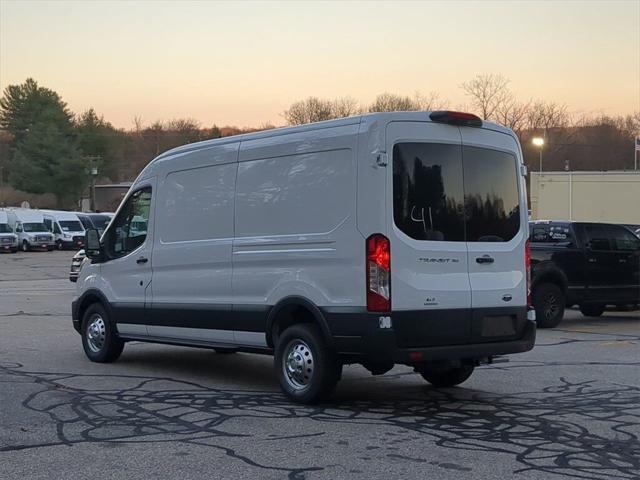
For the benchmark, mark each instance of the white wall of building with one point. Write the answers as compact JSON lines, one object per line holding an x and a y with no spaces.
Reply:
{"x":586,"y":196}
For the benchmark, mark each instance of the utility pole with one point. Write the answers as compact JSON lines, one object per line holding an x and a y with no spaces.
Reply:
{"x":93,"y":172}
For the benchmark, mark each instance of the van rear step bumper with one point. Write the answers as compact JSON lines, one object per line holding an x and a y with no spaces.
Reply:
{"x":419,"y":336}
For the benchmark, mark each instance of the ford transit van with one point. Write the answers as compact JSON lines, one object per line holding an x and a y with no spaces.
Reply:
{"x":382,"y":239}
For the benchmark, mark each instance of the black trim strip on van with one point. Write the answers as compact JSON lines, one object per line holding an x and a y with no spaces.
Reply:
{"x":244,"y":318}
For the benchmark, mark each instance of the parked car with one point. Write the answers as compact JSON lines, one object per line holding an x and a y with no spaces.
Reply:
{"x":29,"y":226}
{"x":339,"y":242}
{"x":67,"y":229}
{"x":8,"y":239}
{"x":591,"y":265}
{"x":76,"y":265}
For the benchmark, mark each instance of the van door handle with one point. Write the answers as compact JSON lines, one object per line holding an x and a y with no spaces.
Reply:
{"x":484,"y":259}
{"x":142,"y":260}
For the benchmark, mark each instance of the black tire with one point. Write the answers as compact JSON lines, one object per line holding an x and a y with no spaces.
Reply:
{"x":59,"y":245}
{"x":305,"y":346}
{"x":447,"y":378}
{"x":592,"y":309}
{"x":549,"y":301}
{"x":105,"y":351}
{"x":25,"y":246}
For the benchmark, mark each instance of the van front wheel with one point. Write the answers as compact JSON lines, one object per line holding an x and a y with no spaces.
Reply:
{"x":306,"y":368}
{"x":449,"y":377}
{"x":100,"y":342}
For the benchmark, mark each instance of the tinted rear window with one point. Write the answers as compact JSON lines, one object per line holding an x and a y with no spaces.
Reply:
{"x":452,"y":193}
{"x":549,"y":233}
{"x":492,"y":205}
{"x":427,"y":191}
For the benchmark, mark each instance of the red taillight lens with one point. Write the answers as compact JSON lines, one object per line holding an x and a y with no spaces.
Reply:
{"x":527,"y":266}
{"x":378,"y":273}
{"x":456,"y":118}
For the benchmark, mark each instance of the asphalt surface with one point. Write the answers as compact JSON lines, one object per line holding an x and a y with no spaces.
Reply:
{"x":568,"y":409}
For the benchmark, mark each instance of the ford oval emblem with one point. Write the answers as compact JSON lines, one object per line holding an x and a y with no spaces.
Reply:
{"x":507,"y":298}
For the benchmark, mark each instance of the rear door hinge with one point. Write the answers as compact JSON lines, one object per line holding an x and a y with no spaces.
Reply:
{"x":381,"y":158}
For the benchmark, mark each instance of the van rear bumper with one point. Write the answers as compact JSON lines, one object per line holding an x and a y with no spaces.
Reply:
{"x":410,"y":339}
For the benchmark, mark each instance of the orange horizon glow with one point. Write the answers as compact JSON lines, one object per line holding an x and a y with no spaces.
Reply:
{"x":244,"y":63}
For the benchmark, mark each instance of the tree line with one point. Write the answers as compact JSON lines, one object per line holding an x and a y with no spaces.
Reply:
{"x":46,"y":148}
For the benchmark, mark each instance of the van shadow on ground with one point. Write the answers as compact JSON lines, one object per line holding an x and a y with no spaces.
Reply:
{"x":583,"y":430}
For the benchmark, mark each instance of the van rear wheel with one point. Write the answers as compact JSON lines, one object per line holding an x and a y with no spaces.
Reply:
{"x":306,"y":368}
{"x":100,"y":342}
{"x":449,"y":377}
{"x":25,"y":246}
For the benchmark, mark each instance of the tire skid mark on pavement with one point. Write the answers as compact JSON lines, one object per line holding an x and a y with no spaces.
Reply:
{"x":584,"y":430}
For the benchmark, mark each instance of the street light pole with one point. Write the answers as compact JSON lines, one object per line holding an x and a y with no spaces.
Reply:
{"x":539,"y":142}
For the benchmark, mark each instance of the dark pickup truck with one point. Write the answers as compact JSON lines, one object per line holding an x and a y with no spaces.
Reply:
{"x":591,"y":265}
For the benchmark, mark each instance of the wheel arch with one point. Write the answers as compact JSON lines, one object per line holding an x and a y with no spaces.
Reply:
{"x":551,"y":275}
{"x":293,"y":310}
{"x":87,"y":299}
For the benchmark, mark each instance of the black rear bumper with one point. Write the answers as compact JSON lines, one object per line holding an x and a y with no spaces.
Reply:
{"x":431,"y":335}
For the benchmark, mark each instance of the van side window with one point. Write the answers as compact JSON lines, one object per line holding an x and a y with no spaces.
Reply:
{"x":129,"y":229}
{"x":427,"y":191}
{"x":492,"y":205}
{"x":56,"y":229}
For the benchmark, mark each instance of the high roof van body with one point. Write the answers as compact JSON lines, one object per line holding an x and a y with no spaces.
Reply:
{"x":382,"y":239}
{"x":66,"y":227}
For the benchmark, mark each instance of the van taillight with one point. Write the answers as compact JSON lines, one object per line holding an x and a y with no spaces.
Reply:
{"x":378,"y":273}
{"x":527,"y":266}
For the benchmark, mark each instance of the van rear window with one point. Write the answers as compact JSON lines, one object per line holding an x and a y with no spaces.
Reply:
{"x":451,"y":193}
{"x":427,"y":191}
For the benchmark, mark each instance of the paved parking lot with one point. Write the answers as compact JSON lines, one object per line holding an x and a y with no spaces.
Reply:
{"x":568,"y":409}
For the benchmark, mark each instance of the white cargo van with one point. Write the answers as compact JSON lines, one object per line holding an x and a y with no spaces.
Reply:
{"x":8,"y":239}
{"x":66,"y":227}
{"x":389,"y":238}
{"x":29,"y":226}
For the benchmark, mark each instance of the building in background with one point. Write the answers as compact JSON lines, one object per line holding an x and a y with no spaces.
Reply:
{"x":107,"y":197}
{"x":612,"y":196}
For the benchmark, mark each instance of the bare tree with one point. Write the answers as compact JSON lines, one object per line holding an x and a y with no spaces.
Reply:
{"x":389,"y":102}
{"x":345,"y":107}
{"x":430,"y":102}
{"x":313,"y":109}
{"x":488,"y":93}
{"x":513,"y":114}
{"x":545,"y":115}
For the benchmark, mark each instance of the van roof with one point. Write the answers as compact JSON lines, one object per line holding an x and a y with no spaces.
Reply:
{"x":60,"y":214}
{"x":388,"y":116}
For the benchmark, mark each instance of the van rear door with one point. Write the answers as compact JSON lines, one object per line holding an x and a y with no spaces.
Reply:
{"x":430,"y":289}
{"x":496,"y":226}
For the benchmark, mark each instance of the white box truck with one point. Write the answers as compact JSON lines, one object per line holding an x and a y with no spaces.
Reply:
{"x":382,"y":239}
{"x":29,"y":226}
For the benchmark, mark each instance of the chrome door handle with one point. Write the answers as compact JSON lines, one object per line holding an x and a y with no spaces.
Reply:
{"x":484,"y":259}
{"x":142,"y":260}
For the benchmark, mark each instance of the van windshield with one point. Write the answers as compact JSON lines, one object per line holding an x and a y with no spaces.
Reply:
{"x":4,"y":228}
{"x":34,"y":227}
{"x":100,"y":222}
{"x":71,"y":226}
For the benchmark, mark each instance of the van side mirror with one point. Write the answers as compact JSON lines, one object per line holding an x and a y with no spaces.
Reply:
{"x":92,"y":243}
{"x":19,"y":228}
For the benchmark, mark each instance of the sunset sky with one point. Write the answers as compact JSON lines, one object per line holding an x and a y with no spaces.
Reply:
{"x":243,"y":63}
